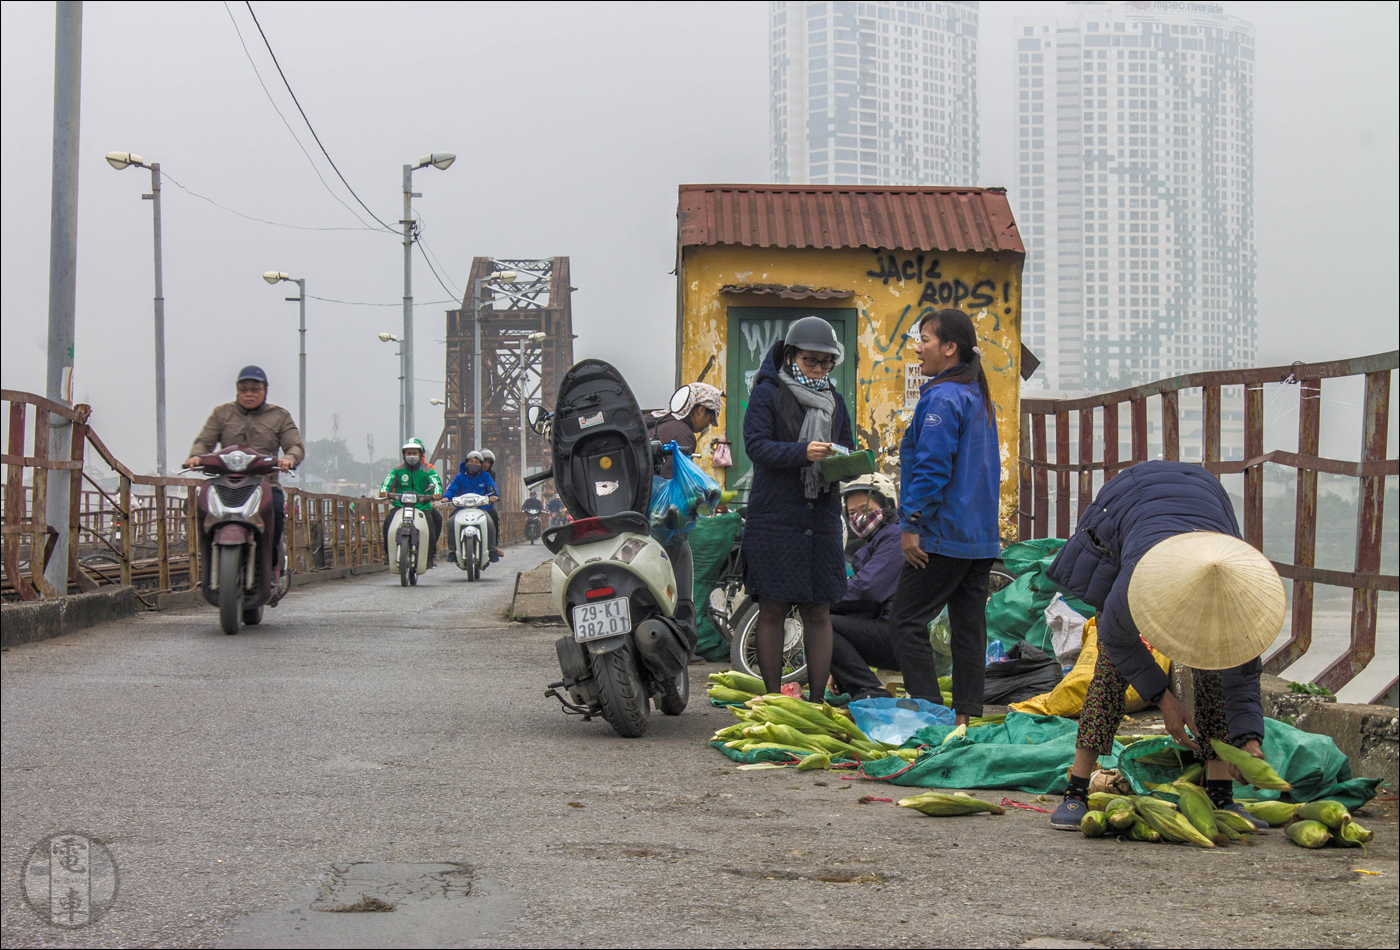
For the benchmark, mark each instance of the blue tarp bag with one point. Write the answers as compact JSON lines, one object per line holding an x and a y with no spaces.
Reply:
{"x":675,"y":501}
{"x":895,"y":720}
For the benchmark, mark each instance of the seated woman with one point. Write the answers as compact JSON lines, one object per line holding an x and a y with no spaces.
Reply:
{"x":860,"y":621}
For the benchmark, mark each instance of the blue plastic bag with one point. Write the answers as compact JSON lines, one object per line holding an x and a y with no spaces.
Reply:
{"x":996,"y":652}
{"x":895,"y":720}
{"x":675,"y":501}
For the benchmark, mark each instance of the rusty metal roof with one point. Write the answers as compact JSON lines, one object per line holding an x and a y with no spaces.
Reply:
{"x":832,"y":216}
{"x":793,"y":292}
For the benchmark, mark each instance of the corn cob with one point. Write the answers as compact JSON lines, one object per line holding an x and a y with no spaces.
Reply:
{"x":1255,"y":772}
{"x":846,"y":723}
{"x":1140,"y":831}
{"x":1163,"y":818}
{"x":1332,"y":814}
{"x":1229,"y":821}
{"x":959,"y":733}
{"x":1120,"y":814}
{"x":733,"y":679}
{"x":817,"y":760}
{"x":940,"y":805}
{"x":1275,"y":813}
{"x":1192,"y":775}
{"x":1309,"y":834}
{"x":729,"y":732}
{"x":1353,"y":835}
{"x":1094,"y":824}
{"x":1098,"y":801}
{"x":723,"y":694}
{"x":1196,"y":805}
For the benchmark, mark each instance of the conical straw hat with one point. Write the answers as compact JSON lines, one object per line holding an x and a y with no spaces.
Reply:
{"x":1208,"y":600}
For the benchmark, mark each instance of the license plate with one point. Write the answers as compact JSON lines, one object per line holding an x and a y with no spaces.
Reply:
{"x":605,"y":618}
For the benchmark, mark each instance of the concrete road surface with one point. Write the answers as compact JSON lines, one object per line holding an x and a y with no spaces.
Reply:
{"x":370,"y":746}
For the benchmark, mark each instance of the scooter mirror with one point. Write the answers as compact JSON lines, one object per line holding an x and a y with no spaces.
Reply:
{"x":536,"y":415}
{"x":679,"y":399}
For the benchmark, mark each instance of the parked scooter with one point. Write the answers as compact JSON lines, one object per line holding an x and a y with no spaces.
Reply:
{"x":469,"y":526}
{"x":408,"y":539}
{"x":239,"y":571}
{"x":612,"y":582}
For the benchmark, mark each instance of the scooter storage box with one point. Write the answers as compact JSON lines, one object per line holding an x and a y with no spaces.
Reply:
{"x":601,"y":449}
{"x":661,"y":648}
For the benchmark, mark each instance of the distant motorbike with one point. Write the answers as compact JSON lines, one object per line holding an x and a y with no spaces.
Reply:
{"x":532,"y":525}
{"x":612,"y":582}
{"x":469,"y":524}
{"x":239,"y":570}
{"x":408,"y":539}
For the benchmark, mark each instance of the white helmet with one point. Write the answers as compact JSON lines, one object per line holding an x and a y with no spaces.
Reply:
{"x":876,"y":483}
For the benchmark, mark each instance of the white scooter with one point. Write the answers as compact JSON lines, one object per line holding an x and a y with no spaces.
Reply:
{"x":470,"y":531}
{"x":409,"y":538}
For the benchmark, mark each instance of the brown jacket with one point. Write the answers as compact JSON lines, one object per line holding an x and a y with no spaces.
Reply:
{"x":266,"y":429}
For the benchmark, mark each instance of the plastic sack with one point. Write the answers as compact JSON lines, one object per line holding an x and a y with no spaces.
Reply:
{"x":1017,"y":611}
{"x":1067,"y":699}
{"x":895,"y":720}
{"x":723,"y":457}
{"x":710,"y":543}
{"x":1066,"y":629}
{"x":996,"y":653}
{"x":674,"y":501}
{"x":1025,"y":672}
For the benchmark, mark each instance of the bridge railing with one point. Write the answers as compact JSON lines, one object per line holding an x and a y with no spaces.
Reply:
{"x":1098,"y":453}
{"x":139,"y":531}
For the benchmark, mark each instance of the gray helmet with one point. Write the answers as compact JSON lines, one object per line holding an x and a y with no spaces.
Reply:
{"x":815,"y":334}
{"x":488,"y":456}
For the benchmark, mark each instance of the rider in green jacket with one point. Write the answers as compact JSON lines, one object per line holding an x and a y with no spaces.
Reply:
{"x":423,"y":480}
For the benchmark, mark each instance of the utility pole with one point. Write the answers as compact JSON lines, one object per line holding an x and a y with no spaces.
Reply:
{"x":407,"y":344}
{"x":154,"y":198}
{"x":63,"y":272}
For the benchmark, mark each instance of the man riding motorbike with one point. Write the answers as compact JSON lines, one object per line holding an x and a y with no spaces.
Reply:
{"x":488,"y":462}
{"x":422,"y":480}
{"x":860,"y":621}
{"x":267,"y":429}
{"x":473,"y":478}
{"x":701,"y":410}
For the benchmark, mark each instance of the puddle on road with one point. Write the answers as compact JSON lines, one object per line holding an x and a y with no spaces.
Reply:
{"x":385,"y":904}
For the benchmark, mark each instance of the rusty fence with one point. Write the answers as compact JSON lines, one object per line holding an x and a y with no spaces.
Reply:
{"x":1083,"y":459}
{"x":138,"y":532}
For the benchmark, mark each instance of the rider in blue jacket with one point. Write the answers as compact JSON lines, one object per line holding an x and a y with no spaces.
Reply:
{"x":473,"y":479}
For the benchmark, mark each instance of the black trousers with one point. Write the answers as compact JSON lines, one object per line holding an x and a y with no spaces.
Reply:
{"x":496,"y":525}
{"x":961,"y":586}
{"x":857,"y":644}
{"x":684,"y":567}
{"x":434,"y":529}
{"x":279,"y":522}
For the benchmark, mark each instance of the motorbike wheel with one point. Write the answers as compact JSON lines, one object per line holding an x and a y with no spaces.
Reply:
{"x":474,"y":566}
{"x":621,"y":693}
{"x":230,"y":590}
{"x":743,"y":649}
{"x":674,"y":698}
{"x":405,"y":561}
{"x":252,"y":616}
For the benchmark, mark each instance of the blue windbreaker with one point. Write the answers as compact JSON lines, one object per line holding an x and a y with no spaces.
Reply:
{"x":950,"y":473}
{"x":479,"y":484}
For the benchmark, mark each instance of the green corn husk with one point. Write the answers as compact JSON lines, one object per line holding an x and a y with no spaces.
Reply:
{"x":1165,"y":758}
{"x":1332,"y":814}
{"x":733,"y":679}
{"x":1196,"y":805}
{"x":817,"y":760}
{"x":1256,"y":772}
{"x":1140,"y":831}
{"x":1192,"y":775}
{"x":1309,"y":834}
{"x":1167,"y":821}
{"x":1094,"y":824}
{"x":940,"y":805}
{"x":1353,"y":835}
{"x":723,"y":694}
{"x":1098,"y":801}
{"x":1275,"y":813}
{"x":1229,"y":821}
{"x":1120,"y":814}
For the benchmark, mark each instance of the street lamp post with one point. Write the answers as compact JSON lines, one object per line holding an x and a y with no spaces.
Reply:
{"x":390,"y":338}
{"x":536,"y":337}
{"x":506,"y":276}
{"x":439,"y":160}
{"x":272,"y":277}
{"x":120,"y":160}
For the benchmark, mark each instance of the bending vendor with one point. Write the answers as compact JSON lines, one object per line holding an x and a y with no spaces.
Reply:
{"x":1159,"y":553}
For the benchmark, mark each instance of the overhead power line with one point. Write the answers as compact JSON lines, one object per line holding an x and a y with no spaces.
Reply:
{"x":297,"y":227}
{"x":361,"y":303}
{"x":304,"y":117}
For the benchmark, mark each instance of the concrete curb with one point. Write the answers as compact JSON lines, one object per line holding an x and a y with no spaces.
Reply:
{"x":533,"y":599}
{"x":31,"y":621}
{"x":1369,"y":735}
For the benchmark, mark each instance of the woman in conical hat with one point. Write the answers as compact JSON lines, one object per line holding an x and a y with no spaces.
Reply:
{"x":1159,"y":553}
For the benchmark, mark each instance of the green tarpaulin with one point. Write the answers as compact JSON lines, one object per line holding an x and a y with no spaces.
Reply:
{"x":711,"y":540}
{"x":1016,"y":613}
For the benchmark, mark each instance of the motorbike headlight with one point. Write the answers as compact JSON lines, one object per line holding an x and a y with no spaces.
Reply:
{"x":236,"y":461}
{"x":408,"y":498}
{"x":629,"y":551}
{"x":565,"y":563}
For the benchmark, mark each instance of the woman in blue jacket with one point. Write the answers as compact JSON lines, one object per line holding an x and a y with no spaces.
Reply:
{"x":949,"y":501}
{"x":792,"y":531}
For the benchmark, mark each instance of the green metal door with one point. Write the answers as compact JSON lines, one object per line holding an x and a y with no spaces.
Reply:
{"x":752,"y":333}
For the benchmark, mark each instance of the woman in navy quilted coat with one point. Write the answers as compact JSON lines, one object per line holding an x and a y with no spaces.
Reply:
{"x":792,"y":532}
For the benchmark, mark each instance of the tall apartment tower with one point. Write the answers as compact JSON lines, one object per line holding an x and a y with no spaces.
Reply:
{"x":873,"y":93}
{"x":1135,"y":192}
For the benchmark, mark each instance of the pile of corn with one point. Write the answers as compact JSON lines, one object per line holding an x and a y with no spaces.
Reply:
{"x":1315,"y":824}
{"x":1193,"y":819}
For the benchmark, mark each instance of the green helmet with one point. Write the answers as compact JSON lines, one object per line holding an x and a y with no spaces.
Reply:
{"x":413,"y":444}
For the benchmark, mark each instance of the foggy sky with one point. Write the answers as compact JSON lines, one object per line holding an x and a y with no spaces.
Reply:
{"x":573,"y":125}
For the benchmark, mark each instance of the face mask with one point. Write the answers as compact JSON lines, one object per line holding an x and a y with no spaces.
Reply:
{"x":411,"y":461}
{"x":864,"y":522}
{"x":473,"y":469}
